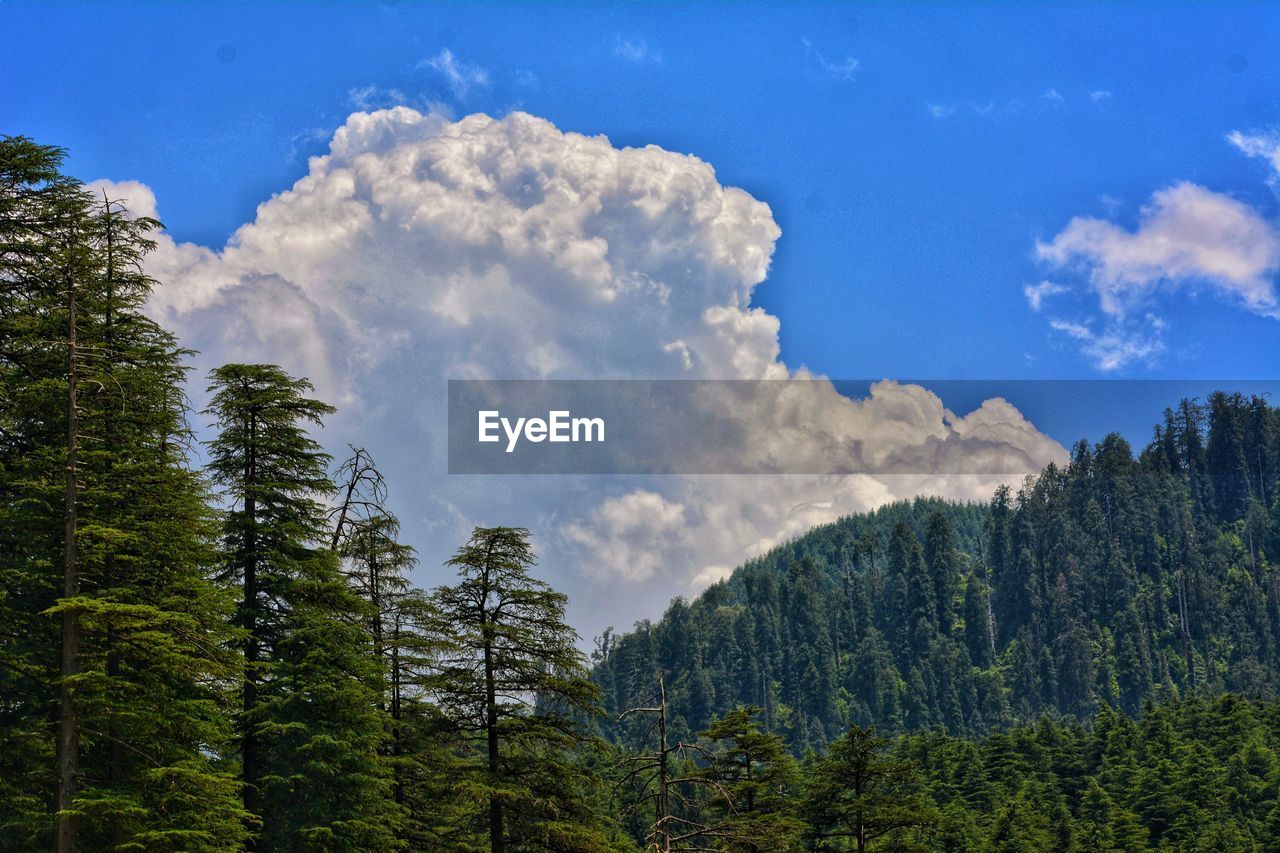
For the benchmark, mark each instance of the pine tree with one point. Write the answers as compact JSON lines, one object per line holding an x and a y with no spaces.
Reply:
{"x":420,"y":748}
{"x":513,"y":683}
{"x":942,"y":559}
{"x":759,"y":779}
{"x":377,"y":564}
{"x":859,"y":793}
{"x":1021,"y":825}
{"x":310,"y":730}
{"x":977,"y":625}
{"x":98,"y":501}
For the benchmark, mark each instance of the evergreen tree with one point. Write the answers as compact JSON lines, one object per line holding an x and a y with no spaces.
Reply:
{"x":759,"y":779}
{"x":512,"y":680}
{"x":1021,"y":825}
{"x":1112,"y":580}
{"x":310,"y":729}
{"x":977,"y":624}
{"x":98,"y":504}
{"x":942,"y":559}
{"x":860,"y":794}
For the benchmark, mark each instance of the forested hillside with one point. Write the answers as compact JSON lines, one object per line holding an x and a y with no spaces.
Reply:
{"x":1107,"y":583}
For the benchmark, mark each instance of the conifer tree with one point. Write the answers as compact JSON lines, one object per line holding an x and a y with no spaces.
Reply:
{"x":977,"y":625}
{"x":760,"y":780}
{"x":310,"y":730}
{"x":92,"y":411}
{"x":420,"y":748}
{"x":859,"y":794}
{"x":942,"y":560}
{"x":513,"y":684}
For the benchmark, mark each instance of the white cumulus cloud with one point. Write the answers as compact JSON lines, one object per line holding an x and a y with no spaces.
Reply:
{"x":1187,"y":235}
{"x":1187,"y":238}
{"x":420,"y":249}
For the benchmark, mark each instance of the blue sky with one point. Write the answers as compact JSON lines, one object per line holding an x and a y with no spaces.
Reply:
{"x":981,"y":192}
{"x":912,"y":155}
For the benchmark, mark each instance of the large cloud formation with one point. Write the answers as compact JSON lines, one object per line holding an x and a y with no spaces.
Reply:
{"x":506,"y":247}
{"x":420,"y":249}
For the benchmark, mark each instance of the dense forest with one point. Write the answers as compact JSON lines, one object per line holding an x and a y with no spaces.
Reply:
{"x":230,"y":655}
{"x":1109,"y":582}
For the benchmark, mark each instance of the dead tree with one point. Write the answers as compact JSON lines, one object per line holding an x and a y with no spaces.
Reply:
{"x":657,"y":782}
{"x":362,"y":489}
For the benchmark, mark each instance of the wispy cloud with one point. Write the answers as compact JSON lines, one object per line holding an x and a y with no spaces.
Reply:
{"x":1263,"y":144}
{"x":636,"y":50}
{"x":1099,"y":95}
{"x":304,"y":140}
{"x":843,"y":70}
{"x":372,"y":97}
{"x":1119,"y":344}
{"x":1037,"y":293}
{"x":461,"y":77}
{"x":1049,"y":101}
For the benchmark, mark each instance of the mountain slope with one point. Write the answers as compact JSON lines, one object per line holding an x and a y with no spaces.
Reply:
{"x":1110,"y":581}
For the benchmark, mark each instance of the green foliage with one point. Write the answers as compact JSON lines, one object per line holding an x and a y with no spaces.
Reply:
{"x":512,"y":683}
{"x":149,"y":696}
{"x":1077,"y":665}
{"x":1110,"y":581}
{"x":1174,"y":781}
{"x":311,"y":726}
{"x":859,"y":795}
{"x":1190,"y":775}
{"x":759,"y":780}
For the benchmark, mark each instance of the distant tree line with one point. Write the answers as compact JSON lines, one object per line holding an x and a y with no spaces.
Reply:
{"x":1192,"y":775}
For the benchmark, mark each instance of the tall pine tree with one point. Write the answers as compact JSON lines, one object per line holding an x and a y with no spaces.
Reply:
{"x":100,"y":506}
{"x":311,"y":733}
{"x":513,"y":683}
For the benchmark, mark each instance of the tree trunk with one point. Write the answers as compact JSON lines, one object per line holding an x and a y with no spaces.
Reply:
{"x":664,"y":801}
{"x":496,"y":842}
{"x":68,"y":720}
{"x":397,"y":731}
{"x":115,"y":757}
{"x":251,"y":766}
{"x":342,"y":516}
{"x":375,"y":598}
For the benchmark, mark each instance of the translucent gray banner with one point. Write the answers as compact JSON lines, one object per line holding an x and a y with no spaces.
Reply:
{"x":803,"y":426}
